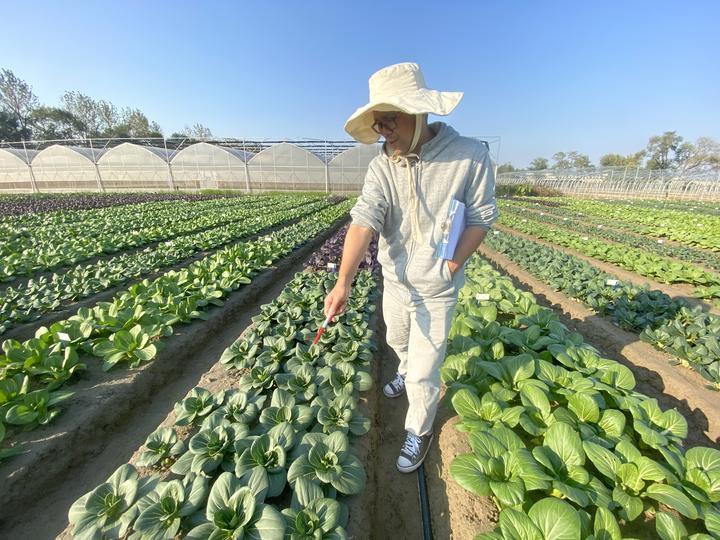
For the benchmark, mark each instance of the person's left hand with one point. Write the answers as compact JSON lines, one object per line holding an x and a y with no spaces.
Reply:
{"x":453,"y":266}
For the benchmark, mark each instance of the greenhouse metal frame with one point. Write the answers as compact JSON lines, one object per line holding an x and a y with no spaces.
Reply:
{"x":622,"y":182}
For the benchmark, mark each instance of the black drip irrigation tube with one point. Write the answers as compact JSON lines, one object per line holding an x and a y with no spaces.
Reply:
{"x":424,"y":503}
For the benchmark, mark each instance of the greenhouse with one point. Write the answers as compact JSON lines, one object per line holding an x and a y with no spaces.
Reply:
{"x":132,"y":167}
{"x":66,"y":168}
{"x":302,"y":165}
{"x":346,"y":171}
{"x":625,"y":182}
{"x":204,"y":166}
{"x":15,"y":172}
{"x":286,"y":166}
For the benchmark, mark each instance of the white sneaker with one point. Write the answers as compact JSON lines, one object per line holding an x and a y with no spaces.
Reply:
{"x":396,"y":387}
{"x":413,"y":452}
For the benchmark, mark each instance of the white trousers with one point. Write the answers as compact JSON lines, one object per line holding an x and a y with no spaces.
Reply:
{"x":417,"y":330}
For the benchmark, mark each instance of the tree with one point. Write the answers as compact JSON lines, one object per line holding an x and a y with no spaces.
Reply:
{"x":703,"y":155}
{"x":54,"y":123}
{"x":108,"y":116}
{"x":506,"y":167}
{"x":539,"y":164}
{"x":570,"y":160}
{"x":135,"y":124}
{"x":612,"y":160}
{"x":667,"y":151}
{"x":100,"y":116}
{"x":197,"y":131}
{"x":10,"y":128}
{"x":618,"y":160}
{"x":561,"y":161}
{"x":635,"y":160}
{"x":17,"y":97}
{"x":578,"y":160}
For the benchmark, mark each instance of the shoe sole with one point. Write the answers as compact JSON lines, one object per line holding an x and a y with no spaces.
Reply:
{"x":417,"y":465}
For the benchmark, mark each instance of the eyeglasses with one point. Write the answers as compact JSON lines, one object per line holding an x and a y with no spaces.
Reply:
{"x":387,"y":123}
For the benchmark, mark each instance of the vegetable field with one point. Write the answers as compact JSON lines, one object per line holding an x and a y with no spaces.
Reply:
{"x":157,"y":378}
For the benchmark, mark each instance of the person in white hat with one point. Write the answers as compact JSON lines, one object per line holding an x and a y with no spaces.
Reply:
{"x":406,"y":197}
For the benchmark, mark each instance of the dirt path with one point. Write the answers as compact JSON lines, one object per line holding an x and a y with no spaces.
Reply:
{"x":112,"y":413}
{"x":673,"y":386}
{"x":397,"y":507}
{"x":678,"y":291}
{"x":454,"y":512}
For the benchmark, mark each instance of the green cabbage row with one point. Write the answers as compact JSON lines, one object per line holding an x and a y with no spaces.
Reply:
{"x":130,"y":327}
{"x":560,"y":438}
{"x":683,"y":226}
{"x":40,"y":248}
{"x":671,"y":325}
{"x":269,"y":458}
{"x":30,"y":301}
{"x":598,"y":227}
{"x":640,"y":261}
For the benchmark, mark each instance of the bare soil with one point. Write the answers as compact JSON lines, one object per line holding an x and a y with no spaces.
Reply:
{"x":396,"y":501}
{"x":673,"y":386}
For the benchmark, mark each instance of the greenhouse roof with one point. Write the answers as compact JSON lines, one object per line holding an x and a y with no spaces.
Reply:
{"x":24,"y":155}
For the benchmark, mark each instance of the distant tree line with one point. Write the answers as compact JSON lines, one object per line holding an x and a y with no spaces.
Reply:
{"x":79,"y":116}
{"x":666,"y":151}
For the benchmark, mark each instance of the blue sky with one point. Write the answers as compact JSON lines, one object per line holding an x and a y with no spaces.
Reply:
{"x":595,"y":77}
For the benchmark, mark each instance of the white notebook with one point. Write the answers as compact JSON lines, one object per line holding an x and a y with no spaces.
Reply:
{"x":453,"y":226}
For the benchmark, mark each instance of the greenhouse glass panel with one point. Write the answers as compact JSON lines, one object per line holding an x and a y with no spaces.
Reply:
{"x":66,"y":168}
{"x":131,"y":166}
{"x":347,"y":170}
{"x":286,"y":167}
{"x":208,"y":166}
{"x":15,"y":173}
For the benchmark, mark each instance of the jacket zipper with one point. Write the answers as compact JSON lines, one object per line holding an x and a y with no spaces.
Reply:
{"x":412,"y":240}
{"x":407,"y":263}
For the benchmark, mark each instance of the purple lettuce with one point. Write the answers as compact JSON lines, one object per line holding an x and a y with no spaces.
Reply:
{"x":15,"y":205}
{"x":331,"y":252}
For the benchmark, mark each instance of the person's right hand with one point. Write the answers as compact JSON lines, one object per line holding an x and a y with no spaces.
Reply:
{"x":336,"y":301}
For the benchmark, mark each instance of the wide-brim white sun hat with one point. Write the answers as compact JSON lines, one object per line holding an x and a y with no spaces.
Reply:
{"x":400,"y":87}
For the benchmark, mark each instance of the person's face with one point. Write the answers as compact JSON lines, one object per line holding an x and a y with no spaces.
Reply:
{"x":396,"y":127}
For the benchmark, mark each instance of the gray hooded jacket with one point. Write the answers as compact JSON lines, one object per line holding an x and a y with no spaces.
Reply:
{"x":407,"y":202}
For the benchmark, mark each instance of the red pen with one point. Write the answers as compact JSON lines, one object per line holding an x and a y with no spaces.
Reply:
{"x":322,"y":328}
